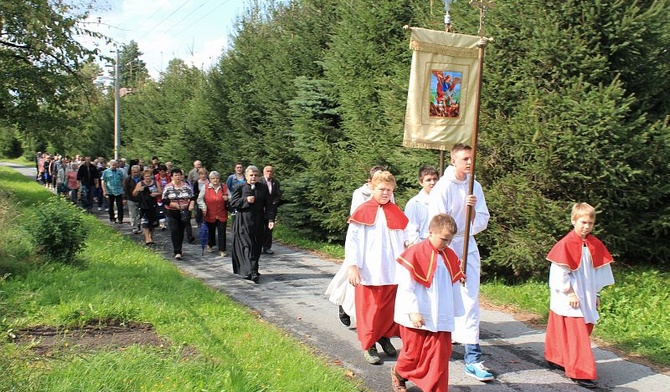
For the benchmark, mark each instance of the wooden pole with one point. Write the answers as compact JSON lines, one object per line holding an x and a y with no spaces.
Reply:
{"x":469,"y":212}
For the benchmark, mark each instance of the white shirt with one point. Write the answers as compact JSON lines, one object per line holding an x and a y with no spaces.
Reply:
{"x":417,"y":212}
{"x":374,"y":250}
{"x":586,"y":282}
{"x":438,"y":304}
{"x":448,"y":196}
{"x":360,"y":196}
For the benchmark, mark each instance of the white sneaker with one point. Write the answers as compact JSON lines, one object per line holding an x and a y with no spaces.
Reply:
{"x":209,"y":249}
{"x":99,"y":208}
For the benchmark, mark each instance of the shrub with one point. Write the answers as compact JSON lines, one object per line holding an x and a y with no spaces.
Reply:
{"x":57,"y":230}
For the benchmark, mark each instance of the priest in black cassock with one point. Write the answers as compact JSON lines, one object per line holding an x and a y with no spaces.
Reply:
{"x":254,"y":207}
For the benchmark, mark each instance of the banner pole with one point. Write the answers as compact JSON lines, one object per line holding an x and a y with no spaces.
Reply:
{"x":469,"y":212}
{"x":447,"y":28}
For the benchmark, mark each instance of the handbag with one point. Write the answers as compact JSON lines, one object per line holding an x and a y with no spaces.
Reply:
{"x":185,"y":215}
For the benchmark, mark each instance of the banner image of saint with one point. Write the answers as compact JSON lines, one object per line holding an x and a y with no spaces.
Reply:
{"x":441,"y":96}
{"x":445,"y":93}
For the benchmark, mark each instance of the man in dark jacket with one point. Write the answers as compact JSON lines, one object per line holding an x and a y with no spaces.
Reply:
{"x":88,"y":179}
{"x":274,"y":191}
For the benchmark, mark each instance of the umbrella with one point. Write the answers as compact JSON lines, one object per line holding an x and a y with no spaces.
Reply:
{"x":204,"y":233}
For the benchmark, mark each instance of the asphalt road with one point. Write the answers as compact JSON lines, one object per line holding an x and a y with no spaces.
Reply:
{"x":291,"y":296}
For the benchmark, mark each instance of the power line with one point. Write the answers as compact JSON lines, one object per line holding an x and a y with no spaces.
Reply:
{"x":182,"y":19}
{"x":172,"y":13}
{"x":204,"y":16}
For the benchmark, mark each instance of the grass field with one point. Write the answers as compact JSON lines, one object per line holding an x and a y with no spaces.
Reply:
{"x":172,"y":333}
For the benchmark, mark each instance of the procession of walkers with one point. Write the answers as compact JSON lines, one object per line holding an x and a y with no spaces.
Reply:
{"x":402,"y":275}
{"x":160,"y":196}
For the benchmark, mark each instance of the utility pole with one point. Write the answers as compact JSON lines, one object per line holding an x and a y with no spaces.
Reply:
{"x":117,"y":106}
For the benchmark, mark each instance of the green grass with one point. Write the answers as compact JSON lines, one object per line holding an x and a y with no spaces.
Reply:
{"x":211,"y":342}
{"x":19,"y":161}
{"x":634,"y":312}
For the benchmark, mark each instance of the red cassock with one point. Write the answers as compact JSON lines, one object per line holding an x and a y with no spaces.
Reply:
{"x":375,"y":304}
{"x":568,"y":344}
{"x":424,"y":358}
{"x":567,"y":341}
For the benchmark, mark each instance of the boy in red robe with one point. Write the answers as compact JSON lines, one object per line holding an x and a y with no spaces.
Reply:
{"x":580,"y":268}
{"x":427,"y":301}
{"x":374,"y":240}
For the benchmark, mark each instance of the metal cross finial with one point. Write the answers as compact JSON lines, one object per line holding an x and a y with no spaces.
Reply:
{"x":447,"y":16}
{"x":482,"y":5}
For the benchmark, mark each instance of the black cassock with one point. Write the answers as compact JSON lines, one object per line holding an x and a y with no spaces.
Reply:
{"x":248,"y":226}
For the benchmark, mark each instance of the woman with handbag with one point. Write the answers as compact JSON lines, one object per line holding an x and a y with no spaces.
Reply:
{"x":147,"y":192}
{"x":179,"y":202}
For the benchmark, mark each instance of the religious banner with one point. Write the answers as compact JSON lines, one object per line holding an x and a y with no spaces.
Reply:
{"x":441,"y":101}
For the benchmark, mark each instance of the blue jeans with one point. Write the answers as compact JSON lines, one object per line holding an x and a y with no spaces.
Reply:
{"x":473,"y":354}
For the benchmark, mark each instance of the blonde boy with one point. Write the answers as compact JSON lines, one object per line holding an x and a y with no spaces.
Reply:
{"x":374,"y":240}
{"x":580,"y":268}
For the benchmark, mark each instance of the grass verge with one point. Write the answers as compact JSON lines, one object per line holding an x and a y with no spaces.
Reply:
{"x":211,"y":343}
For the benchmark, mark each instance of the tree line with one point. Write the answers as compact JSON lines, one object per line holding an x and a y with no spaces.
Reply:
{"x":574,"y":108}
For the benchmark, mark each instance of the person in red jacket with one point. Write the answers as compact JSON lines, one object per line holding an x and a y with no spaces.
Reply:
{"x":213,"y":204}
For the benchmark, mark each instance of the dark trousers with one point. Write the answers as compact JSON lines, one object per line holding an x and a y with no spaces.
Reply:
{"x":267,"y":237}
{"x":87,"y":196}
{"x":177,"y":228}
{"x":118,"y":200}
{"x":220,"y":228}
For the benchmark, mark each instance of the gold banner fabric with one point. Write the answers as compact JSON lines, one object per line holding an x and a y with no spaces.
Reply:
{"x":441,"y":100}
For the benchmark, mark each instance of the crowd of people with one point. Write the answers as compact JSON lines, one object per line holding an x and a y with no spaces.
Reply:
{"x":405,"y":274}
{"x":159,"y":195}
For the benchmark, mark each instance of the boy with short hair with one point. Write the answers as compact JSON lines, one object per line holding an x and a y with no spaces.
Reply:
{"x":580,"y":268}
{"x":374,"y":240}
{"x":427,"y":300}
{"x":416,"y":208}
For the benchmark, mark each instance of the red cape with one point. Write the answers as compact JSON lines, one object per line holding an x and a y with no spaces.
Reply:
{"x":421,"y":261}
{"x":366,"y":214}
{"x":568,"y":251}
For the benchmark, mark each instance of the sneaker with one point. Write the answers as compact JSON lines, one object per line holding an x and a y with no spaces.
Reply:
{"x":387,"y":347}
{"x":191,"y":240}
{"x":99,"y":208}
{"x":479,"y":371}
{"x":372,"y":356}
{"x":344,"y":317}
{"x":223,"y":253}
{"x":269,"y":252}
{"x":177,"y":256}
{"x":397,"y":381}
{"x":209,"y":249}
